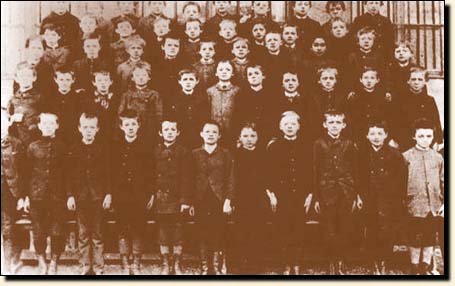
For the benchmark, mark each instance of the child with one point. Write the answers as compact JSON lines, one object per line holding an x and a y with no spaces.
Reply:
{"x":222,"y":99}
{"x":90,"y":25}
{"x":425,"y":196}
{"x":127,"y":10}
{"x":46,"y":166}
{"x":134,"y":46}
{"x":338,"y":40}
{"x":146,"y":102}
{"x":257,"y":38}
{"x":13,"y":194}
{"x":170,"y":196}
{"x":400,"y":67}
{"x":240,"y":51}
{"x":146,"y":23}
{"x":124,"y":28}
{"x":318,"y":58}
{"x":55,"y":54}
{"x":88,"y":192}
{"x":261,"y":13}
{"x":274,"y":61}
{"x":206,"y":67}
{"x":189,"y":106}
{"x":416,"y":103}
{"x":335,"y":166}
{"x":161,"y":27}
{"x":308,"y":27}
{"x":222,"y":11}
{"x":193,"y":31}
{"x":25,"y":105}
{"x":335,"y":9}
{"x":291,"y":47}
{"x":289,"y":187}
{"x":214,"y":190}
{"x":132,"y":187}
{"x":383,"y":179}
{"x":228,"y":34}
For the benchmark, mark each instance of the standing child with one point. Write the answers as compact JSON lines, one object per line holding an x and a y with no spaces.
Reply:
{"x":425,"y":196}
{"x":335,"y":9}
{"x":193,"y":31}
{"x":292,"y":47}
{"x":146,"y":23}
{"x":308,"y":27}
{"x":257,"y":39}
{"x":55,"y":54}
{"x":228,"y":34}
{"x":318,"y":58}
{"x":127,"y":9}
{"x":260,"y":13}
{"x":155,"y":39}
{"x":206,"y":67}
{"x":240,"y":51}
{"x":275,"y":60}
{"x":134,"y":46}
{"x":222,"y":11}
{"x":400,"y":68}
{"x":339,"y":41}
{"x":124,"y":28}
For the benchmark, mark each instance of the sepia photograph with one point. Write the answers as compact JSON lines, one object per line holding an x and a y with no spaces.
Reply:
{"x":223,"y":139}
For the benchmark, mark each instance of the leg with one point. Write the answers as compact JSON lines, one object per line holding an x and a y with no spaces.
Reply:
{"x":39,"y":233}
{"x":124,"y":247}
{"x":11,"y":252}
{"x":137,"y":234}
{"x":178,"y":248}
{"x":97,"y":238}
{"x":83,"y":222}
{"x":56,"y":217}
{"x":164,"y":242}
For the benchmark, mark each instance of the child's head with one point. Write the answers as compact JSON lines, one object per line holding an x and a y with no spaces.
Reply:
{"x":162,"y":27}
{"x":142,"y":73}
{"x":327,"y":77}
{"x":255,"y":75}
{"x":403,"y":53}
{"x":210,"y":133}
{"x":334,"y":122}
{"x":335,"y":8}
{"x":240,"y":48}
{"x":193,"y":29}
{"x":102,"y":81}
{"x":290,"y":81}
{"x":224,"y":71}
{"x":228,"y":29}
{"x":259,"y":30}
{"x":52,"y":34}
{"x":261,"y":8}
{"x":88,"y":23}
{"x":319,"y":46}
{"x":191,"y":11}
{"x":171,"y":46}
{"x":207,"y":49}
{"x":188,"y":80}
{"x":290,"y":34}
{"x":88,"y":126}
{"x":221,"y":7}
{"x":124,"y":27}
{"x":302,"y":8}
{"x":126,"y":7}
{"x":377,"y":133}
{"x":339,"y":28}
{"x":424,"y":133}
{"x":48,"y":124}
{"x":273,"y":41}
{"x":248,"y":136}
{"x":373,"y":7}
{"x":60,"y":7}
{"x":369,"y":78}
{"x":169,"y":131}
{"x":25,"y":75}
{"x":92,"y":46}
{"x":95,"y":7}
{"x":34,"y":47}
{"x":290,"y":124}
{"x":157,"y":7}
{"x":129,"y":123}
{"x":134,"y":46}
{"x":418,"y":78}
{"x":366,"y":37}
{"x":64,"y":78}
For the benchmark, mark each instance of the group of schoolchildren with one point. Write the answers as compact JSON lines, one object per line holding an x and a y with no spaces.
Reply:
{"x":235,"y":116}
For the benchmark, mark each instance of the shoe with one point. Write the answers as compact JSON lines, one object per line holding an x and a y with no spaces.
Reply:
{"x":287,"y":270}
{"x":53,"y":265}
{"x":204,"y":267}
{"x":382,"y":268}
{"x":376,"y":270}
{"x":42,"y":265}
{"x":414,"y":269}
{"x":331,"y":268}
{"x":165,"y":269}
{"x":340,"y":268}
{"x":125,"y":265}
{"x":136,"y":266}
{"x":216,"y":263}
{"x":425,"y":269}
{"x":15,"y":267}
{"x":177,"y":265}
{"x":224,"y":268}
{"x":296,"y":270}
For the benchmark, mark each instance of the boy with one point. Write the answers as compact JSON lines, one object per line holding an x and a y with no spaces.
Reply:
{"x":383,"y":178}
{"x":88,"y":192}
{"x":146,"y":102}
{"x":222,"y":11}
{"x":161,"y":27}
{"x":260,"y":13}
{"x":257,"y":38}
{"x":170,"y":195}
{"x":228,"y":34}
{"x":335,"y":167}
{"x":240,"y":51}
{"x":400,"y":67}
{"x":190,"y":107}
{"x":146,"y":23}
{"x":425,"y":196}
{"x":290,"y":187}
{"x":339,"y":41}
{"x":25,"y":105}
{"x":134,"y":46}
{"x":308,"y":27}
{"x":193,"y":31}
{"x":124,"y":28}
{"x":206,"y":67}
{"x":274,"y":61}
{"x":13,"y":194}
{"x":127,"y":10}
{"x":317,"y":58}
{"x":46,"y":166}
{"x":214,"y":190}
{"x":291,"y":47}
{"x":132,"y":186}
{"x":222,"y":99}
{"x":55,"y":54}
{"x":335,"y":9}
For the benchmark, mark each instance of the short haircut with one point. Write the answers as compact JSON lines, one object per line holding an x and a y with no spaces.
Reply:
{"x":369,"y":69}
{"x":338,"y":19}
{"x":289,"y":114}
{"x":327,"y":68}
{"x":129,"y":114}
{"x":195,"y":21}
{"x":249,"y":125}
{"x":379,"y":123}
{"x":91,"y":16}
{"x":404,"y":44}
{"x":172,"y":36}
{"x":333,"y":112}
{"x":64,"y":69}
{"x":143,"y":66}
{"x":48,"y":112}
{"x":256,"y":66}
{"x":53,"y":27}
{"x":192,"y":3}
{"x":240,"y":39}
{"x":123,"y":19}
{"x":334,"y":3}
{"x":32,"y":39}
{"x":365,"y":2}
{"x":419,"y":69}
{"x":423,"y":123}
{"x":171,"y":119}
{"x":225,"y":21}
{"x":225,"y":61}
{"x":211,"y":122}
{"x":187,"y":71}
{"x":366,"y":30}
{"x":292,"y":3}
{"x":160,"y":19}
{"x":291,"y":24}
{"x":101,"y":72}
{"x":93,"y":36}
{"x":134,"y":40}
{"x":25,"y":65}
{"x":292,"y":71}
{"x":89,"y":114}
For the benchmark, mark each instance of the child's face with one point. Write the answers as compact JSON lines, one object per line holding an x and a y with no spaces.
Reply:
{"x":157,"y":7}
{"x":171,"y":47}
{"x":328,"y":79}
{"x":60,"y":7}
{"x":376,"y":136}
{"x":403,"y":54}
{"x":424,"y":138}
{"x":366,"y":41}
{"x":255,"y":76}
{"x":188,"y":81}
{"x":193,"y":30}
{"x":161,"y":27}
{"x":88,"y":127}
{"x":334,"y":124}
{"x":207,"y":50}
{"x":248,"y":138}
{"x":210,"y":134}
{"x":373,"y":7}
{"x":339,"y":29}
{"x":417,"y":81}
{"x":228,"y":30}
{"x":290,"y":82}
{"x":221,"y":6}
{"x":302,"y":8}
{"x":25,"y":77}
{"x":102,"y":83}
{"x":140,"y":77}
{"x":191,"y":12}
{"x":259,"y":32}
{"x":51,"y":37}
{"x":129,"y":126}
{"x":290,"y":35}
{"x":319,"y":47}
{"x":88,"y":25}
{"x":169,"y":131}
{"x":135,"y":51}
{"x":126,"y":7}
{"x":335,"y":11}
{"x":240,"y":49}
{"x":48,"y":124}
{"x":224,"y":71}
{"x":124,"y":29}
{"x":92,"y":48}
{"x":64,"y":81}
{"x":369,"y":79}
{"x":261,"y":8}
{"x":35,"y":49}
{"x":273,"y":42}
{"x":290,"y":126}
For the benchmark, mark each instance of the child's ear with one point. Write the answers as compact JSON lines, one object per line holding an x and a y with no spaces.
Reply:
{"x":324,"y":124}
{"x":160,"y":133}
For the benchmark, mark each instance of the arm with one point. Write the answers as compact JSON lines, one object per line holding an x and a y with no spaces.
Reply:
{"x":230,"y":180}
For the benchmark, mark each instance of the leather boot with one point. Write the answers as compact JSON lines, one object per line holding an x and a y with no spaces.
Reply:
{"x":296,"y":270}
{"x":165,"y":268}
{"x":382,"y":268}
{"x":204,"y":267}
{"x":224,"y":267}
{"x":53,"y":265}
{"x":125,"y":265}
{"x":7,"y":254}
{"x":287,"y":270}
{"x":177,"y":264}
{"x":331,"y":268}
{"x":425,"y":269}
{"x":136,"y":266}
{"x":376,"y":270}
{"x":340,"y":268}
{"x":42,"y":265}
{"x":216,"y":263}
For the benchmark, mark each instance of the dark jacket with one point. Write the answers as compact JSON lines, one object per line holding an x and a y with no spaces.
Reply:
{"x":69,"y":24}
{"x":84,"y":69}
{"x":205,"y":73}
{"x":13,"y":159}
